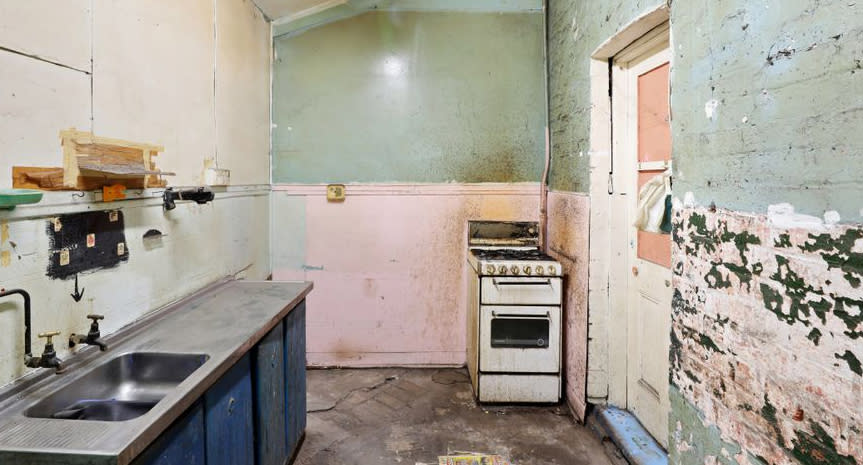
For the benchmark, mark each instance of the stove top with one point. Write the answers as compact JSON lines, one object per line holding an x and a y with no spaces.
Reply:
{"x":522,"y":261}
{"x":510,"y":254}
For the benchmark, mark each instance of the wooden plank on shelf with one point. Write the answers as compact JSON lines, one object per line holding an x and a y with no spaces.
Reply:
{"x":111,"y":160}
{"x":51,"y":179}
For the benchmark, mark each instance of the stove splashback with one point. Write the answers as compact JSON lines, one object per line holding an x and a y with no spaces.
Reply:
{"x":503,"y":233}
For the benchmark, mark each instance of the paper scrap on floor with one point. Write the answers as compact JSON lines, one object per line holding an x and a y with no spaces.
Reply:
{"x":472,"y":459}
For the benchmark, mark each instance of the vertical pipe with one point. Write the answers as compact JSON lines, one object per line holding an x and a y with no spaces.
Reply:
{"x":543,"y":208}
{"x":27,"y":349}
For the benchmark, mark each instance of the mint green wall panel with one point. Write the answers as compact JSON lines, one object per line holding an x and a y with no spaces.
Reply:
{"x":411,"y":97}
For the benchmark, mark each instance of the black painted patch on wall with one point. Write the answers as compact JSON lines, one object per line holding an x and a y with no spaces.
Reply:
{"x":70,"y":233}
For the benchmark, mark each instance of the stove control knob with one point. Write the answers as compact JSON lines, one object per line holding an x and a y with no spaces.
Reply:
{"x":514,"y":269}
{"x":539,"y":270}
{"x":527,"y":269}
{"x":501,"y":269}
{"x":489,"y":269}
{"x":551,"y":270}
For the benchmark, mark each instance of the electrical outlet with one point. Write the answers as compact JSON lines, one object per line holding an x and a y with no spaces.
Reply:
{"x":336,"y":192}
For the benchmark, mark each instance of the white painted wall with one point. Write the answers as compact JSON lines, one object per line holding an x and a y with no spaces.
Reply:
{"x":192,"y":76}
{"x":202,"y":244}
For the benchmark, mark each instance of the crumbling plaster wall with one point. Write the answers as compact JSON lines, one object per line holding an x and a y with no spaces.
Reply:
{"x":767,"y":315}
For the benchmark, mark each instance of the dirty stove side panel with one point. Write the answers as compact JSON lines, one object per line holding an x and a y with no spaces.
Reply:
{"x":568,"y":242}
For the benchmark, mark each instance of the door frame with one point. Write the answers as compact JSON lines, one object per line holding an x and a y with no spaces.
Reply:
{"x":607,"y":358}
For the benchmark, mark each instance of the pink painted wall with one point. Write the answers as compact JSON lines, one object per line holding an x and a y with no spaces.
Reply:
{"x":568,"y":230}
{"x":389,"y":266}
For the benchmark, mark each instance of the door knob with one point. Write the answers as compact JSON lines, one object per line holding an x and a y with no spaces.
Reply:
{"x":634,"y":271}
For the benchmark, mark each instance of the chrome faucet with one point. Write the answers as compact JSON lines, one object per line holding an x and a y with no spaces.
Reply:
{"x":93,"y":338}
{"x":49,"y":356}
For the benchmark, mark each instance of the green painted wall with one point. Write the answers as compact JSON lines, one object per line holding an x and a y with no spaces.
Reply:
{"x":576,"y":29}
{"x":787,"y":81}
{"x":411,"y":97}
{"x":789,"y":85}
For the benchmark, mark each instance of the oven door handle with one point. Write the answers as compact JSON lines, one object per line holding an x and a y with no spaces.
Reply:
{"x":497,"y":282}
{"x":518,"y":316}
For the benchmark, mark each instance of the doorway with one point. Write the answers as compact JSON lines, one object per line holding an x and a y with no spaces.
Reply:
{"x":641,"y":148}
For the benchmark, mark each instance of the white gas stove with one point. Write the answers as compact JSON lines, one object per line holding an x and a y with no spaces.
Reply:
{"x":514,"y":315}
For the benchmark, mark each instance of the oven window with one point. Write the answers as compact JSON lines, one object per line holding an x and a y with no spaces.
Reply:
{"x":523,"y":333}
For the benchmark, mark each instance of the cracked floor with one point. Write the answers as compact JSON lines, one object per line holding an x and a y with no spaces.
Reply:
{"x":409,"y":416}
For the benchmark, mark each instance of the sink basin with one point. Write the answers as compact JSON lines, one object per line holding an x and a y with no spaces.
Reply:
{"x":119,"y":389}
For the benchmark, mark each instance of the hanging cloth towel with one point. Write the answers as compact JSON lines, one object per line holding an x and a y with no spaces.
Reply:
{"x":652,"y":202}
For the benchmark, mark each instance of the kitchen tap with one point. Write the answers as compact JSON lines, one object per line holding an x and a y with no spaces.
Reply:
{"x":93,"y":338}
{"x":49,"y":356}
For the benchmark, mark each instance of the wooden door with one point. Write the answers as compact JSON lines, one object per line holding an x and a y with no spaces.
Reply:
{"x":643,"y":147}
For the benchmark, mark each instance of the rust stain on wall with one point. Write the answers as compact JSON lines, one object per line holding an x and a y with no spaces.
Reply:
{"x":767,"y":324}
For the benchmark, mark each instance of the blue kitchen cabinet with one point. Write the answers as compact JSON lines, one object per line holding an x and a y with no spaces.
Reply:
{"x":181,"y":444}
{"x":295,"y":377}
{"x":228,"y":415}
{"x":268,"y":373}
{"x":255,"y":414}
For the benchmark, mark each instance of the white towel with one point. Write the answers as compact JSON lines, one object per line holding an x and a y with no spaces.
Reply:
{"x":651,"y":202}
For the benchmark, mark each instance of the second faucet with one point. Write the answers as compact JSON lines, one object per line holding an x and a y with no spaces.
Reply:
{"x":93,"y":338}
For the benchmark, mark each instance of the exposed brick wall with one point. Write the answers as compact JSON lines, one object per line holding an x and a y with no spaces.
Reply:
{"x":767,"y":338}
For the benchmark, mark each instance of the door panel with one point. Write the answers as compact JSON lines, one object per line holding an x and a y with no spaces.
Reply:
{"x":269,"y":382}
{"x":295,"y":377}
{"x":643,"y":148}
{"x":181,"y":443}
{"x":228,"y":413}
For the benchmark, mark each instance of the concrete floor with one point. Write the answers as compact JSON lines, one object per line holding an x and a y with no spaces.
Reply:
{"x":409,"y":416}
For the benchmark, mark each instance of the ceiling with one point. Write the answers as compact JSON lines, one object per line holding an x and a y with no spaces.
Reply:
{"x":290,"y":10}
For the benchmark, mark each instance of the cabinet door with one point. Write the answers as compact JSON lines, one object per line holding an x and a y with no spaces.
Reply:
{"x":181,"y":444}
{"x":228,"y":416}
{"x":295,"y":376}
{"x":269,"y":387}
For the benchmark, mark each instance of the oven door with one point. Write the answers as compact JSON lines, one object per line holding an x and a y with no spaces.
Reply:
{"x":519,"y":339}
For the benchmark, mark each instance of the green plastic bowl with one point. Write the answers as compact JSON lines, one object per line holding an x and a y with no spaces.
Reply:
{"x":10,"y":198}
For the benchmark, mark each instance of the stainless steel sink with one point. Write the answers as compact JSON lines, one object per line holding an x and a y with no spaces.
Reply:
{"x":122,"y":388}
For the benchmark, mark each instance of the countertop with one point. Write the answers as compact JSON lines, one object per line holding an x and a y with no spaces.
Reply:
{"x":223,"y":322}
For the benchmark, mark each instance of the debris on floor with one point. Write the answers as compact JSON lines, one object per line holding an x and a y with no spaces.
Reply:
{"x":403,"y":416}
{"x":472,"y":459}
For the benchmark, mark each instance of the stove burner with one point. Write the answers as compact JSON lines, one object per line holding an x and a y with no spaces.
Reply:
{"x":510,"y":254}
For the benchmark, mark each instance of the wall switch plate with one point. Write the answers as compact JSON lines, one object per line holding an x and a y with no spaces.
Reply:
{"x":336,"y":192}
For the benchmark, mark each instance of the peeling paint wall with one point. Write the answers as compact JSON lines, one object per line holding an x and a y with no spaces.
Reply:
{"x":192,"y":76}
{"x":411,"y":97}
{"x":767,"y":339}
{"x":766,"y":357}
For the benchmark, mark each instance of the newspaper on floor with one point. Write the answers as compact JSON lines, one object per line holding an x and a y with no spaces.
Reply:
{"x":472,"y":459}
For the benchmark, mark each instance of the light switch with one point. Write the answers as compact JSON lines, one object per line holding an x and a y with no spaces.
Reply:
{"x":336,"y":192}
